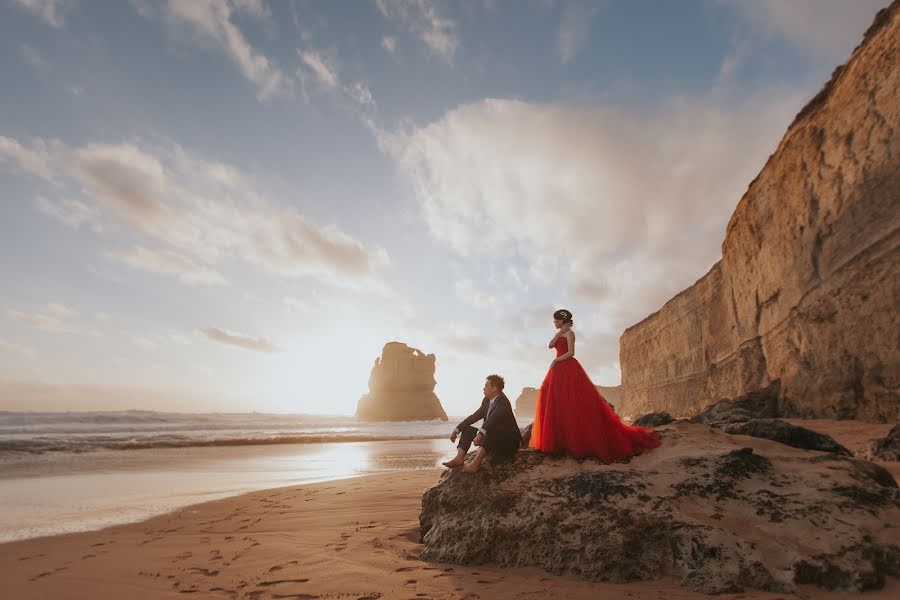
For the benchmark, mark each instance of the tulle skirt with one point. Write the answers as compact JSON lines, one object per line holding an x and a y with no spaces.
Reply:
{"x":571,"y":415}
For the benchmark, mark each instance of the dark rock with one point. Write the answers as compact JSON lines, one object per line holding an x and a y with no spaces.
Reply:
{"x":786,"y":433}
{"x":654,"y":419}
{"x":526,"y":435}
{"x":758,"y":404}
{"x":886,"y":448}
{"x":720,"y":516}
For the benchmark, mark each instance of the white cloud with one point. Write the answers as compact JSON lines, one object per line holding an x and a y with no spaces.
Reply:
{"x":201,"y":213}
{"x":35,"y":161}
{"x":13,"y":348}
{"x":573,"y":29}
{"x":422,"y":19}
{"x":624,"y":207}
{"x":325,"y":74}
{"x":213,"y":19}
{"x":72,"y":213}
{"x":389,"y":43}
{"x":829,"y":29}
{"x":169,"y":263}
{"x":50,"y":11}
{"x":57,"y":321}
{"x":34,"y":57}
{"x":239,"y":340}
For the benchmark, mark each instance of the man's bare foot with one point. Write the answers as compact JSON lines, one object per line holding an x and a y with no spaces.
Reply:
{"x":471,"y":468}
{"x":456,"y":462}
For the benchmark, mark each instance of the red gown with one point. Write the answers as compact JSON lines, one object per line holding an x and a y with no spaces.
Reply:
{"x":571,"y":415}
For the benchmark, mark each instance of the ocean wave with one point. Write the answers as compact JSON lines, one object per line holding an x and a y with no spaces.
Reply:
{"x":91,"y":444}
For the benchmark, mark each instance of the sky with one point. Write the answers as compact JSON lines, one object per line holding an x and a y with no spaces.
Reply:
{"x":232,"y":205}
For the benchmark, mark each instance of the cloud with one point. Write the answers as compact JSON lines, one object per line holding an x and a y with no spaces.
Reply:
{"x":389,"y":43}
{"x":58,"y":321}
{"x":422,"y":19}
{"x":212,"y":19}
{"x":241,"y":341}
{"x":200,"y":213}
{"x":170,"y":263}
{"x":624,"y":207}
{"x":34,"y":161}
{"x":828,"y":29}
{"x":324,"y":73}
{"x":50,"y":11}
{"x":72,"y":213}
{"x":13,"y":348}
{"x":573,"y":29}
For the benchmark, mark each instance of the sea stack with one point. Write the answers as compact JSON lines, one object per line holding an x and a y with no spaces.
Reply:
{"x":401,"y":387}
{"x":805,"y":295}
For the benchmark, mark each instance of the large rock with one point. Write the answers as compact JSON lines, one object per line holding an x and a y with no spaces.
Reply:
{"x":808,"y":285}
{"x":401,"y":387}
{"x":886,"y":448}
{"x":758,"y":404}
{"x":527,"y":400}
{"x":719,"y":512}
{"x":655,"y":419}
{"x":786,"y":433}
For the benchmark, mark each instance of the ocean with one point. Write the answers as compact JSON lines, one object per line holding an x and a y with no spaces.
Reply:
{"x":78,"y":471}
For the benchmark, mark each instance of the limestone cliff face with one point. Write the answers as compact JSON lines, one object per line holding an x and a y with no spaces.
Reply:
{"x":401,"y":387}
{"x":527,"y":400}
{"x":807,"y":290}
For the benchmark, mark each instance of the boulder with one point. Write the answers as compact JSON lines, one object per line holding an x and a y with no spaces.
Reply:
{"x":806,"y":289}
{"x":886,"y":448}
{"x":401,"y":387}
{"x":719,"y":512}
{"x":655,"y":419}
{"x":786,"y":433}
{"x":758,"y":404}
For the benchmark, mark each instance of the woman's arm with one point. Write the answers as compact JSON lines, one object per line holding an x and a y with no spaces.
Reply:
{"x":570,"y":338}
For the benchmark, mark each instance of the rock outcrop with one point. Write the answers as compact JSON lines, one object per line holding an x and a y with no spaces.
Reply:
{"x":808,"y":286}
{"x":721,"y":512}
{"x":527,"y":400}
{"x":786,"y":433}
{"x":401,"y":387}
{"x":655,"y":419}
{"x":758,"y":404}
{"x":886,"y":448}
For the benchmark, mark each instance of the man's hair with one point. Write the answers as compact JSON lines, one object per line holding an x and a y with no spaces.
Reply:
{"x":496,"y":381}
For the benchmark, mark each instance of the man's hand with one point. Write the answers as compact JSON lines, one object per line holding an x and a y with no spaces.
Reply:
{"x":478,"y":439}
{"x":453,"y":436}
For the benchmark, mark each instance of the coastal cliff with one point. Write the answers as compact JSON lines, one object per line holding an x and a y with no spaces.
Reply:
{"x":807,"y":291}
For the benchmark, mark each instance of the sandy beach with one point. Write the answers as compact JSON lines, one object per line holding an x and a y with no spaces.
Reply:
{"x":352,"y":538}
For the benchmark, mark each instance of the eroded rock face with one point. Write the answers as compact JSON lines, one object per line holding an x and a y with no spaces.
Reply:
{"x":721,"y":512}
{"x":758,"y":404}
{"x":527,"y":400}
{"x":401,"y":387}
{"x":656,"y":419}
{"x":886,"y":448}
{"x":808,"y":284}
{"x":786,"y":433}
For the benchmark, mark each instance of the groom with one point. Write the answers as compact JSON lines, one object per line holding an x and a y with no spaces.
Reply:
{"x":499,"y":434}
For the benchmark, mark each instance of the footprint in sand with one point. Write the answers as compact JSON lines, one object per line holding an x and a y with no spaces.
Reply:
{"x":405,"y":569}
{"x":281,"y":566}
{"x":279,"y":581}
{"x":202,"y":571}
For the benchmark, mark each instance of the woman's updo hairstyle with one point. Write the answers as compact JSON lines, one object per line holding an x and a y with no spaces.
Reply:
{"x":564,"y":316}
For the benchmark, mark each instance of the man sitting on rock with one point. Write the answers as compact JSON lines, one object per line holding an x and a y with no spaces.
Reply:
{"x":499,"y":434}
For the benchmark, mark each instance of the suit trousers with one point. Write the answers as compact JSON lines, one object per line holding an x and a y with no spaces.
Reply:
{"x":494,"y":443}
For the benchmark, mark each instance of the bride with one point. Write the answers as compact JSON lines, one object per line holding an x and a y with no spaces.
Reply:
{"x":571,"y":414}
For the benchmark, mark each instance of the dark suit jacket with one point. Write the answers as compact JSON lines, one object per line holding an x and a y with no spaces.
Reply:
{"x":500,"y":424}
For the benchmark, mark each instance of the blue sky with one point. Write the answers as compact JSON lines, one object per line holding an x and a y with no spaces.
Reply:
{"x":233,"y":204}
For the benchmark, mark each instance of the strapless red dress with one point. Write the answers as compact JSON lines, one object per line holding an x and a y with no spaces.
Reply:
{"x":572,"y":416}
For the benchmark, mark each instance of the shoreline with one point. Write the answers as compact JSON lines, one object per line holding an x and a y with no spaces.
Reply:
{"x":350,"y":538}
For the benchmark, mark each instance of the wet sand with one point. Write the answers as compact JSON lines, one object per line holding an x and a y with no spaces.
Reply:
{"x":354,"y":539}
